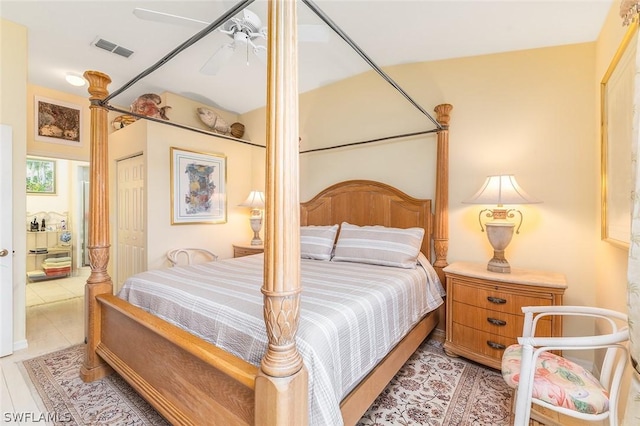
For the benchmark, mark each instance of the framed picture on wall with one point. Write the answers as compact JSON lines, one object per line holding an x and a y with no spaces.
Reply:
{"x":617,"y":124}
{"x":41,"y":176}
{"x":198,"y":187}
{"x":57,"y":122}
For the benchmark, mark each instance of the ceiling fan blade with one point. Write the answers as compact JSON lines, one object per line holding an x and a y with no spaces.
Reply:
{"x":261,"y":53}
{"x":167,"y":18}
{"x":313,"y":33}
{"x":215,"y":62}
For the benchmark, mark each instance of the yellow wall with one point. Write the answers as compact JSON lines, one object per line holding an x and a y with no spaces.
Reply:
{"x":13,"y":112}
{"x":530,"y":113}
{"x":57,"y":150}
{"x":154,"y":141}
{"x":533,"y":113}
{"x":610,"y":260}
{"x":611,"y":267}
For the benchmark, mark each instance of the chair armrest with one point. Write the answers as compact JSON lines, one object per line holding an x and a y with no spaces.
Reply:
{"x":570,"y":309}
{"x":551,"y":343}
{"x":532,"y":314}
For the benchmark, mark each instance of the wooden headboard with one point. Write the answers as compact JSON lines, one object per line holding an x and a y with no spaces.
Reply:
{"x":364,"y":202}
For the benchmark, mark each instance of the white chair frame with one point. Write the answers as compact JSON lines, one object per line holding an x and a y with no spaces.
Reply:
{"x":611,"y":372}
{"x":191,"y":254}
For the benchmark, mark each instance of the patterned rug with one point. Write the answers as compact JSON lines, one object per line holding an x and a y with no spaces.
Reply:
{"x":434,"y":389}
{"x":68,"y":401}
{"x":431,"y":389}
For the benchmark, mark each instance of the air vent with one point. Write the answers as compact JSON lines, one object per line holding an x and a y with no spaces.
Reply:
{"x":112,"y":47}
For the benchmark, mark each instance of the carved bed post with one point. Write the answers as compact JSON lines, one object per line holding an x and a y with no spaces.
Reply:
{"x":99,"y":282}
{"x":281,"y":385}
{"x":441,"y":220}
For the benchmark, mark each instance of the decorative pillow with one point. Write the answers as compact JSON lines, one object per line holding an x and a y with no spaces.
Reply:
{"x":379,"y":245}
{"x":316,"y":242}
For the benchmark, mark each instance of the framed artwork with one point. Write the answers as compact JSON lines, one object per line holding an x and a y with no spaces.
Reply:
{"x":198,"y":187}
{"x":41,"y":176}
{"x":57,"y":122}
{"x":616,"y":92}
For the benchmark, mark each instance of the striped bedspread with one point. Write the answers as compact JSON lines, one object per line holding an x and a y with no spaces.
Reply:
{"x":351,"y":315}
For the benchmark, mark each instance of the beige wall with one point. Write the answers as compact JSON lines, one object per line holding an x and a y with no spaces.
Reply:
{"x":611,"y":267}
{"x":529,"y":113}
{"x":13,"y":112}
{"x":154,"y":141}
{"x":57,"y":150}
{"x":610,"y":260}
{"x":533,"y":113}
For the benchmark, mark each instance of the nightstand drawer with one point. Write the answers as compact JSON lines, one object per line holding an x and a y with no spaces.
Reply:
{"x":499,"y":323}
{"x":246,"y":250}
{"x":496,"y":298}
{"x":480,"y":342}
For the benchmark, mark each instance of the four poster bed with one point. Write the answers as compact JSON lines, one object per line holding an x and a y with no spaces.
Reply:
{"x":192,"y":381}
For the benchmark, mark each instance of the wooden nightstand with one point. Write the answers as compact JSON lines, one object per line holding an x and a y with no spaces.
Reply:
{"x":240,"y":250}
{"x":484,"y":313}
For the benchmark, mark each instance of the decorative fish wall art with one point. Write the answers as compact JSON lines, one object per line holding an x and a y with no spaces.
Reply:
{"x":218,"y":124}
{"x":148,"y":105}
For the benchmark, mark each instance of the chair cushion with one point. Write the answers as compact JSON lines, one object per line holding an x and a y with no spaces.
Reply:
{"x":558,"y":382}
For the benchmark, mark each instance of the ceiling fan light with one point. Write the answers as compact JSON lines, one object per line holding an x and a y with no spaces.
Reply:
{"x":75,"y":79}
{"x":240,"y":37}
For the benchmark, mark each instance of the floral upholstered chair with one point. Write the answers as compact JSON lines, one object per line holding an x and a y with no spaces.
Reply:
{"x":544,"y":378}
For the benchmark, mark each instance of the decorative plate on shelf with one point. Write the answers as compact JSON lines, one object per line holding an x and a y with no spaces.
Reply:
{"x":65,"y":237}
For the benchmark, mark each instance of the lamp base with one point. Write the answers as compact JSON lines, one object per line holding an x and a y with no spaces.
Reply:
{"x":256,"y":225}
{"x":498,"y":263}
{"x":499,"y":233}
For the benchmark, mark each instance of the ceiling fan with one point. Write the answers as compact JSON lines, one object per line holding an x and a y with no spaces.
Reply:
{"x":245,"y":30}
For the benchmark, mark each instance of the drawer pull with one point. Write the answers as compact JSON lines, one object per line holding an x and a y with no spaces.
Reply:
{"x":496,"y":300}
{"x":496,"y":321}
{"x":495,"y":345}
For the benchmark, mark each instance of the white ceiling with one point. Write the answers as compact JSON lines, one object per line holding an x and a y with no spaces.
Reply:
{"x":391,"y":32}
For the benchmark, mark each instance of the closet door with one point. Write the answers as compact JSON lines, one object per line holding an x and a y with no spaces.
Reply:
{"x":131,"y":238}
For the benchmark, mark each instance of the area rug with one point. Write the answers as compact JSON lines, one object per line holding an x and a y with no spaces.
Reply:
{"x":436,"y":390}
{"x":431,"y":389}
{"x":67,"y":400}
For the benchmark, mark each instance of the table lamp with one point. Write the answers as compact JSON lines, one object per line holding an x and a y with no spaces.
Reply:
{"x":255,"y":201}
{"x":500,"y":190}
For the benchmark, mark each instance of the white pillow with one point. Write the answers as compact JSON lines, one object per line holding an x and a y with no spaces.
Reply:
{"x":379,"y":245}
{"x":316,"y":242}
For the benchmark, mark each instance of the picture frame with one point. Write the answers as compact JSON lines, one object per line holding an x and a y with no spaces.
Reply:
{"x":41,"y":176}
{"x":57,"y":122}
{"x":198,"y":187}
{"x":616,"y":94}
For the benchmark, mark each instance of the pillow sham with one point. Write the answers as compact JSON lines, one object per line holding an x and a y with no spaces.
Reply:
{"x":379,"y":245}
{"x":316,"y":242}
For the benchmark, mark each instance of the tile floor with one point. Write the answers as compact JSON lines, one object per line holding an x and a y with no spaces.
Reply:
{"x":48,"y":291}
{"x":55,"y":320}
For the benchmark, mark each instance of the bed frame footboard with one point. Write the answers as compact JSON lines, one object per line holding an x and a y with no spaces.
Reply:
{"x":192,"y":382}
{"x":189,"y":381}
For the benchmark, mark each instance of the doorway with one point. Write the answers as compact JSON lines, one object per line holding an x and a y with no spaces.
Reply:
{"x":56,"y":269}
{"x":84,"y":202}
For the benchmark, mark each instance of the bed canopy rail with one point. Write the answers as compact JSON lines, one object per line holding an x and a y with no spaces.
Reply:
{"x":192,"y":40}
{"x":315,"y":9}
{"x":281,"y":382}
{"x":225,"y":17}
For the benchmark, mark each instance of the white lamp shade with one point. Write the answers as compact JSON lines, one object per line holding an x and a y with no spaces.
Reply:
{"x":500,"y":190}
{"x":255,"y":200}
